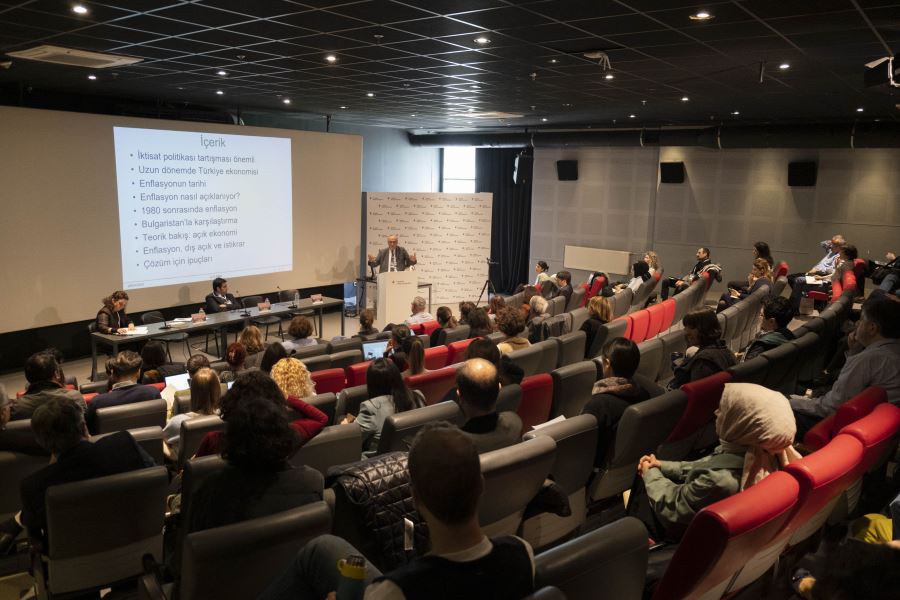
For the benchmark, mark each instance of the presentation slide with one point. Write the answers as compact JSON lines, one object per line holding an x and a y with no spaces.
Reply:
{"x":193,"y":205}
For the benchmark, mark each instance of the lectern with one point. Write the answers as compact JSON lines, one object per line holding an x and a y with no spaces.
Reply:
{"x":396,"y":291}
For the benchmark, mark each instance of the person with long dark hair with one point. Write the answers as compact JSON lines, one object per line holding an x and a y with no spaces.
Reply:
{"x":111,"y":318}
{"x":388,"y":394}
{"x":707,"y":353}
{"x":410,"y":356}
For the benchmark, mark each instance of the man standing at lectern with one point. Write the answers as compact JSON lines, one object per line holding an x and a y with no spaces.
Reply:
{"x":392,"y":258}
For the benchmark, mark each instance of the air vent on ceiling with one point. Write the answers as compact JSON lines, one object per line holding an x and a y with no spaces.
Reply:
{"x":74,"y":58}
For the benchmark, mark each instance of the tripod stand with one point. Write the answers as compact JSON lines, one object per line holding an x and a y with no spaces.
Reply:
{"x":488,"y":284}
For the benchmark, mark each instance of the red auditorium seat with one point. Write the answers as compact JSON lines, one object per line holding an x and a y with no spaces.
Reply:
{"x":537,"y":399}
{"x":722,"y":546}
{"x":781,"y":270}
{"x":703,"y":398}
{"x":668,"y":314}
{"x":436,"y":358}
{"x":429,"y":326}
{"x":356,"y":374}
{"x":457,"y":351}
{"x":596,"y":286}
{"x":640,"y":324}
{"x":433,"y":384}
{"x":629,"y":324}
{"x":417,"y":328}
{"x":159,"y":386}
{"x":878,"y":433}
{"x":849,"y":412}
{"x":657,"y":314}
{"x":89,"y":397}
{"x":329,"y":380}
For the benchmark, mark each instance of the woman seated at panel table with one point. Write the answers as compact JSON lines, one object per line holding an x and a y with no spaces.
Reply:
{"x":756,"y":279}
{"x":111,"y":318}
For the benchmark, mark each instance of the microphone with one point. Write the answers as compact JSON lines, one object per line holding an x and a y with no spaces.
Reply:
{"x":246,"y":312}
{"x":165,"y":324}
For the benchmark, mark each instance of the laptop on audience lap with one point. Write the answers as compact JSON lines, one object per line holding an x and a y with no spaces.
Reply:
{"x":374,"y":349}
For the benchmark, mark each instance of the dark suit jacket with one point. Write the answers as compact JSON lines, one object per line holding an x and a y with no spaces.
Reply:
{"x":116,"y":453}
{"x":108,"y":321}
{"x":212,"y":303}
{"x":383,"y":260}
{"x":123,"y":395}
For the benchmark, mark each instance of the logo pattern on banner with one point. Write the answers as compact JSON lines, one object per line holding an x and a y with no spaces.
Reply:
{"x":450,"y":234}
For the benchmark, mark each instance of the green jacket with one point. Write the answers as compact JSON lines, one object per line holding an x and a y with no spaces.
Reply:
{"x":678,"y":490}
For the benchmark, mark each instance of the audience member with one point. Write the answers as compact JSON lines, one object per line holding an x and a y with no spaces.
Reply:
{"x":300,"y":331}
{"x":873,"y":358}
{"x":679,"y":285}
{"x":235,"y":356}
{"x":193,"y":364}
{"x":220,"y":300}
{"x":398,"y":334}
{"x":822,"y":270}
{"x":367,"y":322}
{"x":652,"y":260}
{"x":477,"y":386}
{"x":446,"y":320}
{"x":15,"y":440}
{"x":509,"y":372}
{"x":419,"y":314}
{"x":776,"y":315}
{"x":756,"y":279}
{"x":539,"y":308}
{"x":446,"y":485}
{"x":480,"y":323}
{"x":290,"y":373}
{"x":615,"y":392}
{"x":761,"y":250}
{"x":853,"y":570}
{"x":123,"y":372}
{"x":388,"y":394}
{"x":756,"y":432}
{"x":641,"y":273}
{"x":45,"y":383}
{"x":252,"y":339}
{"x":258,"y":480}
{"x":409,"y":358}
{"x":59,"y":428}
{"x":206,"y":391}
{"x":887,"y":276}
{"x":706,"y":354}
{"x":541,"y":268}
{"x":154,"y":368}
{"x":600,"y":313}
{"x":496,"y":304}
{"x":528,"y":292}
{"x":511,"y":323}
{"x":272,"y":354}
{"x":564,"y":281}
{"x":111,"y":318}
{"x":465,"y":307}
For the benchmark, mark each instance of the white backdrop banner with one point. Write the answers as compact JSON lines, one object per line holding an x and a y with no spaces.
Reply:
{"x":450,"y":234}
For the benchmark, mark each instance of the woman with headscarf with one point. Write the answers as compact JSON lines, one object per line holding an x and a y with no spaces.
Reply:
{"x":756,"y":430}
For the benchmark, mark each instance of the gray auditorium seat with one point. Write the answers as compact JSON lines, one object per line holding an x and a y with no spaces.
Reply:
{"x":549,"y":355}
{"x":572,"y":386}
{"x":14,"y":467}
{"x":620,"y":302}
{"x":327,"y":403}
{"x":576,"y":443}
{"x":732,"y":320}
{"x":93,"y":540}
{"x":557,"y":306}
{"x":149,"y":413}
{"x":672,"y":342}
{"x":810,"y":355}
{"x":579,"y":316}
{"x":615,"y":328}
{"x":334,"y":445}
{"x":610,"y":562}
{"x":242,"y":559}
{"x":651,"y":358}
{"x":425,"y":339}
{"x":306,"y":352}
{"x":642,"y":294}
{"x":571,"y":348}
{"x":148,"y":438}
{"x":529,"y":359}
{"x":496,"y":337}
{"x":195,"y":472}
{"x":457,"y":334}
{"x":509,"y":398}
{"x":348,"y":401}
{"x":400,"y":428}
{"x":342,"y":360}
{"x":512,"y":477}
{"x":576,"y":298}
{"x":192,"y":433}
{"x":94,"y":387}
{"x":318,"y":362}
{"x":750,"y":371}
{"x":343,"y":345}
{"x":683,"y":305}
{"x":782,"y":372}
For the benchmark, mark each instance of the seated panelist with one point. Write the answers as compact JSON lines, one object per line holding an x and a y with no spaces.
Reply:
{"x":111,"y":319}
{"x":220,"y":300}
{"x":392,"y":258}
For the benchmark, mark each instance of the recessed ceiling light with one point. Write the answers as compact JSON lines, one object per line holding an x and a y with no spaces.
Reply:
{"x":482,"y":40}
{"x":469,"y":122}
{"x":222,"y":73}
{"x":684,"y":98}
{"x":331,"y":58}
{"x":220,"y":92}
{"x":553,"y":61}
{"x":287,"y":100}
{"x":412,"y":115}
{"x":701,"y":16}
{"x":784,"y":66}
{"x":544,"y":119}
{"x":342,"y":107}
{"x":860,"y":109}
{"x":92,"y":77}
{"x":79,"y":9}
{"x":370,"y":95}
{"x":567,"y":104}
{"x":631,"y":116}
{"x":475,"y":87}
{"x":609,"y":76}
{"x":735,"y":112}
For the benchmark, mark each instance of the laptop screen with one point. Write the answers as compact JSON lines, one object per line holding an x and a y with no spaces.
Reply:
{"x":374,"y":349}
{"x":179,"y":382}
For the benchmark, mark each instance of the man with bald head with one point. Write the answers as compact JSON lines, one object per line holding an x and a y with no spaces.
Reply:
{"x":477,"y":387}
{"x":392,"y":258}
{"x":446,"y":484}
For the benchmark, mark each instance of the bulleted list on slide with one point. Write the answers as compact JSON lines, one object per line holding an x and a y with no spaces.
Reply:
{"x":193,"y":206}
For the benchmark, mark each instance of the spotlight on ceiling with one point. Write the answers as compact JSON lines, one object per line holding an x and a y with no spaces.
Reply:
{"x":735,"y":112}
{"x":331,"y":58}
{"x":79,"y":9}
{"x":287,"y":100}
{"x":860,"y":109}
{"x":92,"y":77}
{"x":220,"y":92}
{"x":609,"y":76}
{"x":784,"y":66}
{"x":370,"y":95}
{"x":701,"y":16}
{"x":631,"y":116}
{"x":342,"y":107}
{"x":544,"y":119}
{"x":221,"y":73}
{"x":684,"y":98}
{"x":482,"y":40}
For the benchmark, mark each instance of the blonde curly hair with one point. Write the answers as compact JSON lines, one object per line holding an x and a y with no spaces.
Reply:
{"x":293,"y":379}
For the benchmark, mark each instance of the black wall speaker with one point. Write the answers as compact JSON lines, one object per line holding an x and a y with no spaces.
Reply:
{"x":671,"y":172}
{"x":523,"y":167}
{"x":802,"y":174}
{"x":567,"y":170}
